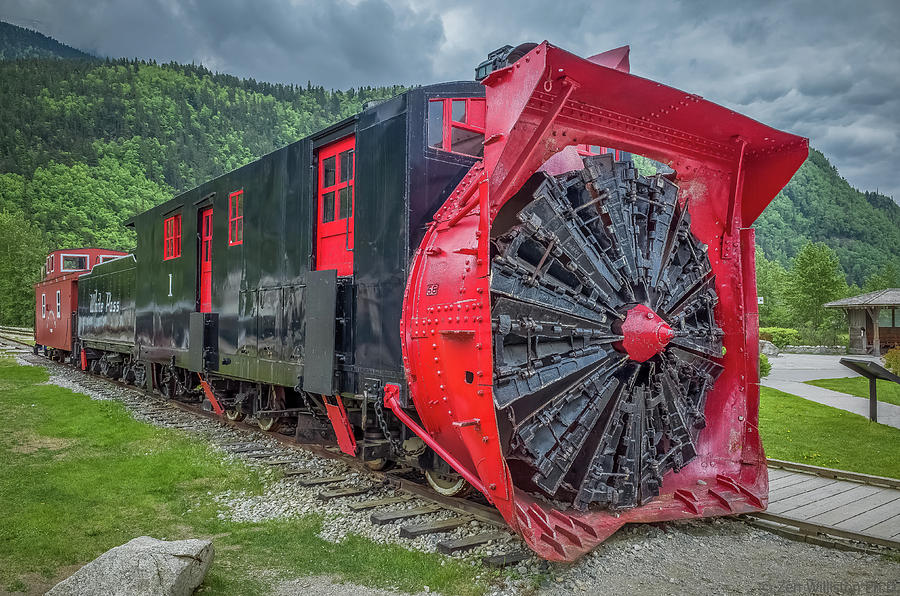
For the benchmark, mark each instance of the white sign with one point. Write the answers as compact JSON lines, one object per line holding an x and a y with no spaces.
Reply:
{"x":759,"y":300}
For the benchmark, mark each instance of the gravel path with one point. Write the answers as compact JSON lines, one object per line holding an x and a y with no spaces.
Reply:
{"x":721,"y":556}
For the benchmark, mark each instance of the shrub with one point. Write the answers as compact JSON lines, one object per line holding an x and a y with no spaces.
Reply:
{"x":780,"y":336}
{"x":764,"y":367}
{"x":892,"y":360}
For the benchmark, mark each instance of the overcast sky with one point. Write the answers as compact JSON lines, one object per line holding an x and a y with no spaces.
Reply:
{"x":824,"y":69}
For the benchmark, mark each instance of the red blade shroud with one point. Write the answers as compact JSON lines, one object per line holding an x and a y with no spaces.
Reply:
{"x":729,"y":168}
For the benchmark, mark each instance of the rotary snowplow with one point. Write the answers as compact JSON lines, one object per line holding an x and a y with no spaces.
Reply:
{"x":580,"y":341}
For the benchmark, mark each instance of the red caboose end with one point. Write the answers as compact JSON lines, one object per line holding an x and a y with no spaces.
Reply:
{"x":56,"y":296}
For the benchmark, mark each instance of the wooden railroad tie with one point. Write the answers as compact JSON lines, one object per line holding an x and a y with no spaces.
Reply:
{"x":363,"y":505}
{"x":336,"y":493}
{"x":281,"y":462}
{"x":448,"y":547}
{"x":263,"y":454}
{"x":322,"y":480}
{"x":296,"y":472}
{"x":247,"y":449}
{"x":506,"y":559}
{"x":433,"y":527}
{"x":386,"y":517}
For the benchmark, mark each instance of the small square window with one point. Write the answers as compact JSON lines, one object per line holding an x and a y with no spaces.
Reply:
{"x":346,"y":166}
{"x":74,"y":262}
{"x":459,"y":110}
{"x":328,"y":207}
{"x":436,"y":124}
{"x":467,"y":141}
{"x":346,"y":204}
{"x":328,"y":167}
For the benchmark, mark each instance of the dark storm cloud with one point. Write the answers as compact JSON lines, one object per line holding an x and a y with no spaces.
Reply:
{"x":826,"y":70}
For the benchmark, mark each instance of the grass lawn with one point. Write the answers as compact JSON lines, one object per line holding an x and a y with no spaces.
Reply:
{"x":799,"y":430}
{"x":81,"y":476}
{"x":888,"y":391}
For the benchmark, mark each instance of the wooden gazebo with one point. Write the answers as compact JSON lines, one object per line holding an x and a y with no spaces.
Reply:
{"x":874,"y":320}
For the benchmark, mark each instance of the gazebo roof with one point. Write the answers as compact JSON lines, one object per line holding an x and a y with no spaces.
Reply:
{"x":888,"y":298}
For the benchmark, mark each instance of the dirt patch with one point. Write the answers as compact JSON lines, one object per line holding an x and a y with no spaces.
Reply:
{"x":27,"y":443}
{"x":37,"y":584}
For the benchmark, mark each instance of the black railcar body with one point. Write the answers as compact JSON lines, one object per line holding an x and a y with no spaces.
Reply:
{"x":266,"y":346}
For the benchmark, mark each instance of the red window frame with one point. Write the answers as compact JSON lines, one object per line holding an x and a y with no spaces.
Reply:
{"x":172,"y":237}
{"x":472,"y":121}
{"x":236,"y":218}
{"x":588,"y":150}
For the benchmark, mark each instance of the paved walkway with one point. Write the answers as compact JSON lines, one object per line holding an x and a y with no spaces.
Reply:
{"x":790,"y":370}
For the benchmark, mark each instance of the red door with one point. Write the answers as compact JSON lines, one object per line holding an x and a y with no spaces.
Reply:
{"x":206,"y":221}
{"x":334,"y":231}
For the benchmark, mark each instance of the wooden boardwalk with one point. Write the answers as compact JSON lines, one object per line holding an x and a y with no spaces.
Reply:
{"x":840,"y":507}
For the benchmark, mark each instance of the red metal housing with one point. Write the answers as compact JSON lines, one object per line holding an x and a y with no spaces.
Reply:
{"x":729,"y":168}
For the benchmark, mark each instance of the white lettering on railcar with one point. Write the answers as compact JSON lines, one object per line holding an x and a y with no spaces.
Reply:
{"x":99,"y":305}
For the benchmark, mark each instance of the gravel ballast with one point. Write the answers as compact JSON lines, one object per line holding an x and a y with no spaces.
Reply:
{"x":722,"y":556}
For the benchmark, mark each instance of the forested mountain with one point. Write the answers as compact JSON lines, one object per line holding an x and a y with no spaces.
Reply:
{"x":16,"y":42}
{"x":87,"y":143}
{"x":817,"y":205}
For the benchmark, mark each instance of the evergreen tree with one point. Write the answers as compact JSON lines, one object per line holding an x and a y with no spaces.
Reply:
{"x":22,"y":253}
{"x":816,"y":278}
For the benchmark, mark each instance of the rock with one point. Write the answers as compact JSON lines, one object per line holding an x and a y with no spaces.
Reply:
{"x":767,"y":348}
{"x":143,"y":566}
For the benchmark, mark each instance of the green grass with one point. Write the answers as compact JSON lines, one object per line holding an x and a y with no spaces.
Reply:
{"x":888,"y":391}
{"x":81,"y":476}
{"x":799,"y":430}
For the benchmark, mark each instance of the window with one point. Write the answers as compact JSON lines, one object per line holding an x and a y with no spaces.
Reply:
{"x":43,"y":306}
{"x":457,"y":125}
{"x":50,"y":263}
{"x":58,"y":304}
{"x":597,"y":150}
{"x":884,"y":317}
{"x":172,"y":237}
{"x":106,"y":258}
{"x":236,"y":218}
{"x":337,"y":186}
{"x":74,"y":262}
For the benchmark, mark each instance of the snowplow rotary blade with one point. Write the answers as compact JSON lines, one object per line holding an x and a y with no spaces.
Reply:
{"x":580,"y":341}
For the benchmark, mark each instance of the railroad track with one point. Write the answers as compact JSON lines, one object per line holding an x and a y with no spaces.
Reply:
{"x":411,"y":504}
{"x":17,"y":334}
{"x":837,"y":508}
{"x":799,"y":496}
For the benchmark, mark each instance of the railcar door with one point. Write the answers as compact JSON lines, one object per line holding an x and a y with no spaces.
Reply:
{"x":206,"y":221}
{"x":334,"y":228}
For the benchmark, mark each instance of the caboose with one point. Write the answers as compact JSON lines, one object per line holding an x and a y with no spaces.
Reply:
{"x":56,"y":297}
{"x":462,"y":278}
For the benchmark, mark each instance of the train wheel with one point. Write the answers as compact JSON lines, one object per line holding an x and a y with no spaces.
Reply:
{"x":379,"y":464}
{"x":268,"y":424}
{"x":448,"y":485}
{"x":167,"y":382}
{"x":234,"y":414}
